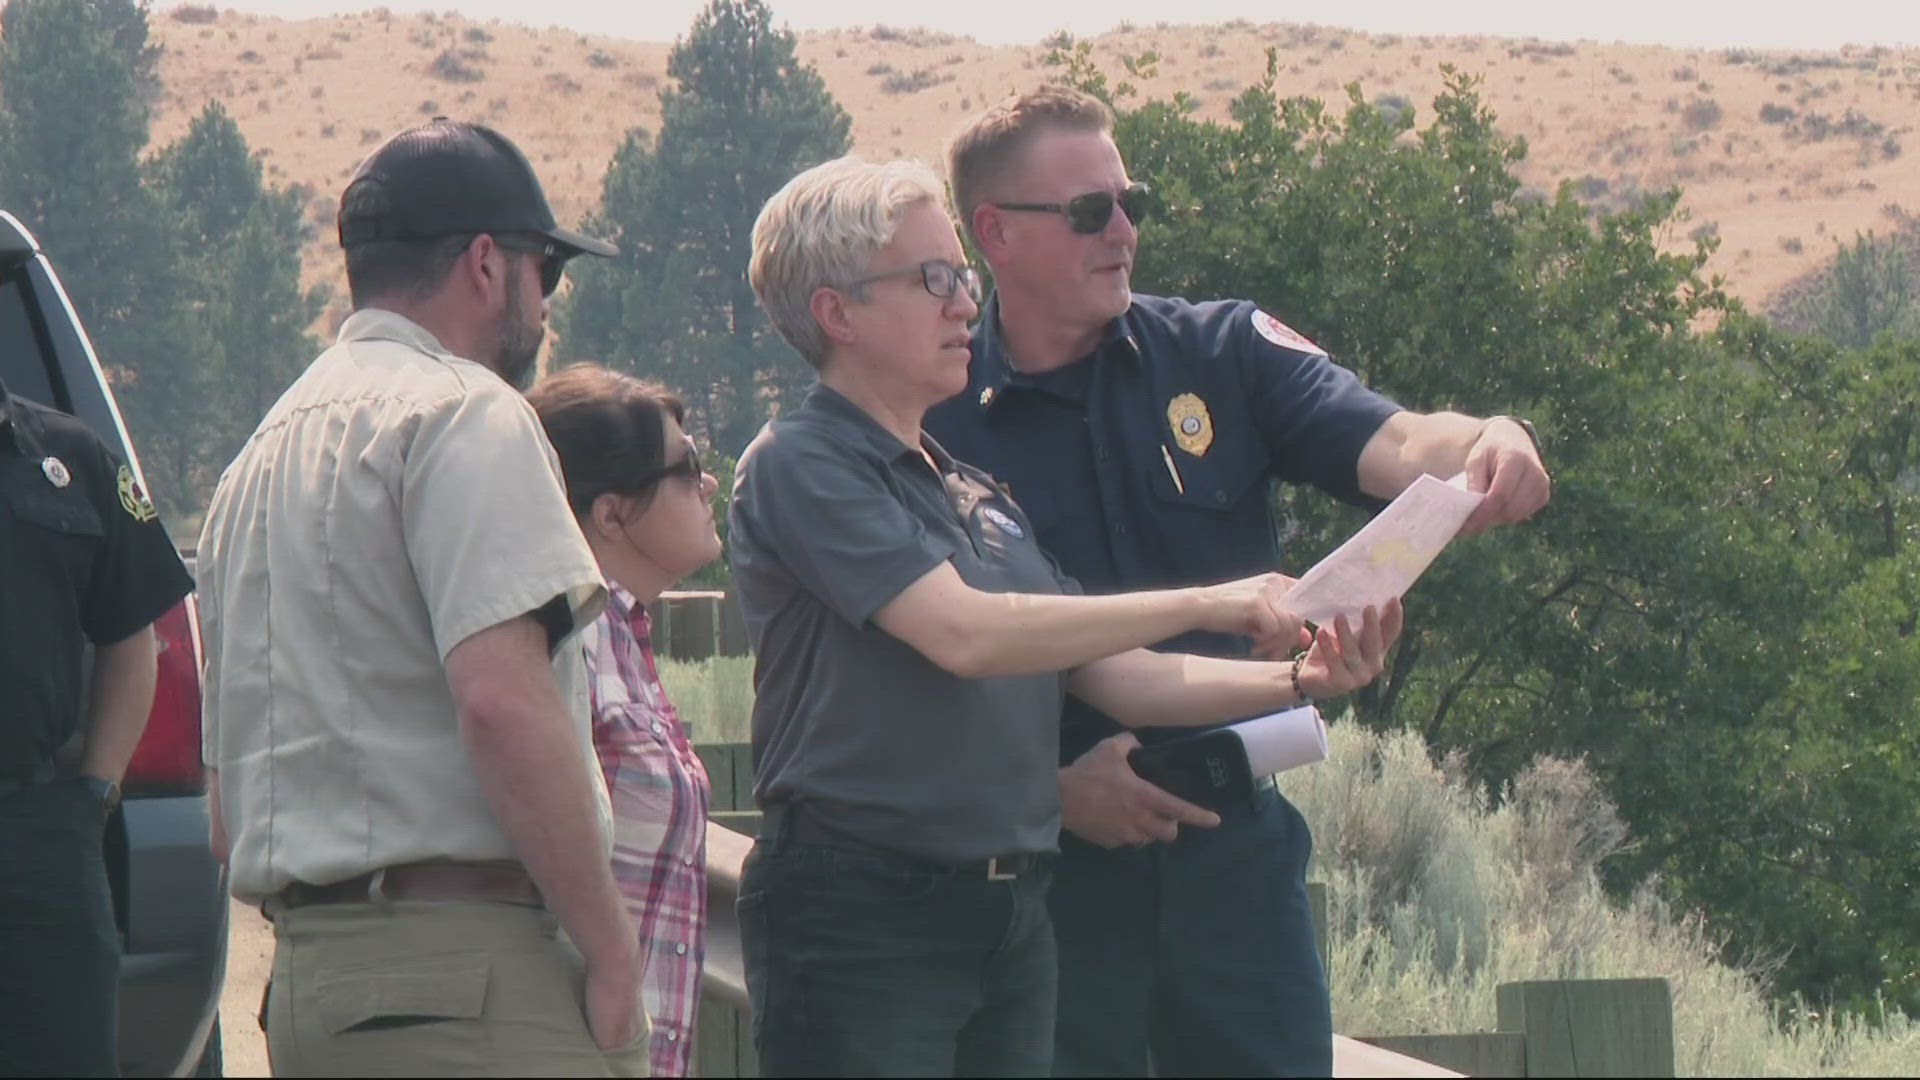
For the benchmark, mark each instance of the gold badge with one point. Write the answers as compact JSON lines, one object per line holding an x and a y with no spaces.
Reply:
{"x":133,"y":500}
{"x":1192,"y":426}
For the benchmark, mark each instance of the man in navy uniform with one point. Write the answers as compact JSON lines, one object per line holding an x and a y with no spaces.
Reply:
{"x":83,"y":560}
{"x":1143,"y":436}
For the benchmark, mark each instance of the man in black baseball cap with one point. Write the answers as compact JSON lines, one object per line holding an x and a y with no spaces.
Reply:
{"x":447,"y":177}
{"x":414,"y":209}
{"x":396,"y":718}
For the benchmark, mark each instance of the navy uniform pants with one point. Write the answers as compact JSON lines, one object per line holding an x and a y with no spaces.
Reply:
{"x":59,"y":948}
{"x":1194,"y":958}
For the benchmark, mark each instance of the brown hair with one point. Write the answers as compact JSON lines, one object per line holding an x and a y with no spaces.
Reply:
{"x":608,"y":428}
{"x":984,"y":149}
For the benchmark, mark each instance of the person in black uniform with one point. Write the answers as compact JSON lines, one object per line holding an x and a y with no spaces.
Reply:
{"x":1144,"y":435}
{"x":83,"y":560}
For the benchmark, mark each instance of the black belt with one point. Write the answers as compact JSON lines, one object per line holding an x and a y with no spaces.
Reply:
{"x":790,"y":821}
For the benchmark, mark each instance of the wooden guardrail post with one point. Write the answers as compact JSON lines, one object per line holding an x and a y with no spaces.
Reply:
{"x":729,"y":772}
{"x":1591,"y":1027}
{"x":733,"y":626}
{"x":723,"y":1040}
{"x":697,"y":624}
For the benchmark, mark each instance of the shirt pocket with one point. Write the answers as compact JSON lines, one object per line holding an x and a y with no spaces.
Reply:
{"x":1217,"y":481}
{"x":61,"y":529}
{"x":57,"y":510}
{"x":404,"y":992}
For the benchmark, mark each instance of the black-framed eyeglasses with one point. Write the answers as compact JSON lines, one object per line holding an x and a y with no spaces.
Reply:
{"x":1088,"y":214}
{"x":553,"y":261}
{"x":940,"y":278}
{"x":687,"y":468}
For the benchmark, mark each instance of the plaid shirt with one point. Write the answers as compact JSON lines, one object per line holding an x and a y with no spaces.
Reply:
{"x":660,"y":800}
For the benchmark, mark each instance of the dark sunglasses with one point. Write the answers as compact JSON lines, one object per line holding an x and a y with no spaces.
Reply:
{"x":1088,"y":214}
{"x":940,"y":278}
{"x":687,"y":468}
{"x":551,"y":266}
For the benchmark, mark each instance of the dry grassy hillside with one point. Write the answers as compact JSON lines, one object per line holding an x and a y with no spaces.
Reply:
{"x":1779,"y":152}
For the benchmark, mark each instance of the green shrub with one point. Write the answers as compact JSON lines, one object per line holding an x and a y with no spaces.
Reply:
{"x":1437,"y":894}
{"x":453,"y":66}
{"x":914,"y":82}
{"x":1701,"y":114}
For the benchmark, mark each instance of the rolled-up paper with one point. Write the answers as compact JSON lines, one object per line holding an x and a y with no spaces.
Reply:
{"x":1283,"y":740}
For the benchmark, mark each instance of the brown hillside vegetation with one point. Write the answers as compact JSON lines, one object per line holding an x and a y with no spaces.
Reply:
{"x":1779,"y":153}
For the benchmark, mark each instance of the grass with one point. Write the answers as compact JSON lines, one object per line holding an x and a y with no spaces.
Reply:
{"x":1436,"y":896}
{"x":714,"y":697}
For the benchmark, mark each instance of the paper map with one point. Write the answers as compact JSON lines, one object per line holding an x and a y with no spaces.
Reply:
{"x":1386,"y":557}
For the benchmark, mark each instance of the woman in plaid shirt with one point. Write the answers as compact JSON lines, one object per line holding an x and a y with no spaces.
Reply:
{"x":635,"y":483}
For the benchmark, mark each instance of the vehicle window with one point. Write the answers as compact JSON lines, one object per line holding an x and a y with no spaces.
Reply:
{"x":24,"y":366}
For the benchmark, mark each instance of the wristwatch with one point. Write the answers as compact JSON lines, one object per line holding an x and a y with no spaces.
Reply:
{"x":107,"y":791}
{"x":1526,"y":426}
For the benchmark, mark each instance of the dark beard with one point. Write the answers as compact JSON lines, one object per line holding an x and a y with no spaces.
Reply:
{"x":516,"y":338}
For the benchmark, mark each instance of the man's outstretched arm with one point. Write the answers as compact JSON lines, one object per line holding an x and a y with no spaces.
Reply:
{"x":1498,"y":456}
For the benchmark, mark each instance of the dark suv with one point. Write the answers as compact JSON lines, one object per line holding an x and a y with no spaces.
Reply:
{"x":169,"y":894}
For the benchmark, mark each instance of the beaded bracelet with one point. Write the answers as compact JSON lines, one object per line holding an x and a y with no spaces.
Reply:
{"x":1298,"y":692}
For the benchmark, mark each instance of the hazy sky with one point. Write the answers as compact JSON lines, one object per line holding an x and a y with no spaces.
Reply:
{"x":1766,"y":24}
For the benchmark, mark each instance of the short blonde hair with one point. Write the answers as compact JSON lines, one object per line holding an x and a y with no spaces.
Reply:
{"x":822,"y":230}
{"x":991,"y":143}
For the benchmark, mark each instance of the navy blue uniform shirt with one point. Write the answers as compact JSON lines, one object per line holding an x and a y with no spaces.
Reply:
{"x":1150,"y":463}
{"x":83,"y":559}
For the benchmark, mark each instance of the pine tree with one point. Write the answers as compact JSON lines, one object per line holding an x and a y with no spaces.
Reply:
{"x":75,"y":79}
{"x":744,"y":117}
{"x":241,"y":242}
{"x":185,"y":269}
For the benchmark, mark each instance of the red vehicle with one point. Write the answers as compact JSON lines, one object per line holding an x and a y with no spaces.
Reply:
{"x":169,"y":894}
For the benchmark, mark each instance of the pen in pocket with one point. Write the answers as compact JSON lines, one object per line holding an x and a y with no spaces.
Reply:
{"x":1167,"y":456}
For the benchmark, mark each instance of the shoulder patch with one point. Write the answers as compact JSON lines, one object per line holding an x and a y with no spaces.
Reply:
{"x":133,"y":499}
{"x":1283,"y":335}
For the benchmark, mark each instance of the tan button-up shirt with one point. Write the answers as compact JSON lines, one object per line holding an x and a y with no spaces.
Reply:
{"x":396,"y":500}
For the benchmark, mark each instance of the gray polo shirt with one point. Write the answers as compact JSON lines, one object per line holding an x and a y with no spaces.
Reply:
{"x":832,"y":517}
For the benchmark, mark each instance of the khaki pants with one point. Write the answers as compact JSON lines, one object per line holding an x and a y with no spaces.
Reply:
{"x":431,"y":988}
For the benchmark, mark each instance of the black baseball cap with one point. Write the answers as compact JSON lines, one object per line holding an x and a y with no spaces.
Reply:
{"x":446,"y":177}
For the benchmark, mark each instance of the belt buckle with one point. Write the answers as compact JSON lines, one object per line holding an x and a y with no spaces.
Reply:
{"x":994,"y":873}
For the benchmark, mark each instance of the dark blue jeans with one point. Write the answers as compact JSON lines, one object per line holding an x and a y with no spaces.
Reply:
{"x":865,"y":963}
{"x":1194,"y":958}
{"x":59,"y":948}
